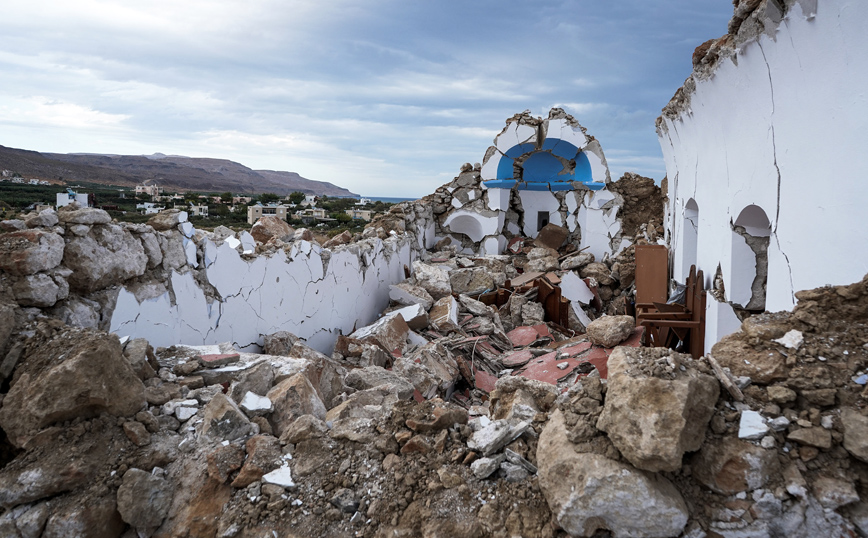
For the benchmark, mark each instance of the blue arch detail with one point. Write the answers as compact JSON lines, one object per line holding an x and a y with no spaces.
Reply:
{"x":542,"y":169}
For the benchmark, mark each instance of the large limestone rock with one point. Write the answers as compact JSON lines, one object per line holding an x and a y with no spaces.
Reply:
{"x":471,"y":281}
{"x":106,"y":255}
{"x":375,"y":376}
{"x":433,"y":279}
{"x":761,"y":366}
{"x":79,"y":373}
{"x":589,"y":492}
{"x":855,"y":433}
{"x":223,"y":420}
{"x":40,"y":290}
{"x":30,"y":251}
{"x":144,"y":499}
{"x":732,"y":465}
{"x":168,"y":219}
{"x":83,"y":215}
{"x":292,"y":398}
{"x":654,"y":411}
{"x":270,"y":226}
{"x":388,"y":332}
{"x":609,"y":331}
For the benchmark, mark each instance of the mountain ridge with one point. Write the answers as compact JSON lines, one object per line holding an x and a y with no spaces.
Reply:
{"x":173,"y":172}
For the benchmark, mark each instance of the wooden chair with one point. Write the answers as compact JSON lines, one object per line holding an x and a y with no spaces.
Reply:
{"x":667,"y":324}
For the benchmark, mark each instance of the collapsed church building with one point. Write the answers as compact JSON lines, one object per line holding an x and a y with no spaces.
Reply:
{"x":491,"y":360}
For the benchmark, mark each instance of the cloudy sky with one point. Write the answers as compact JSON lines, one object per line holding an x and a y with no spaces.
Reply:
{"x":384,"y":97}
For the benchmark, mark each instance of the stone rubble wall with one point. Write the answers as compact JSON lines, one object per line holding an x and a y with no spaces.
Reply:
{"x":170,"y":283}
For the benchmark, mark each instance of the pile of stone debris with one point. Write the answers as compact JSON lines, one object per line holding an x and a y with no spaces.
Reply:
{"x":456,"y":413}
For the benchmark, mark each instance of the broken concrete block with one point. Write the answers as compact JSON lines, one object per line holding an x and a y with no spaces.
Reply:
{"x":292,"y":398}
{"x":144,"y":500}
{"x":303,"y":428}
{"x":444,"y":314}
{"x":367,"y":404}
{"x":389,"y":332}
{"x":30,"y":251}
{"x":609,"y":331}
{"x":589,"y":492}
{"x":434,"y":279}
{"x":477,"y":308}
{"x":281,"y":476}
{"x":654,"y":411}
{"x":471,"y":281}
{"x":512,"y":472}
{"x":223,"y":420}
{"x":494,"y":436}
{"x":415,"y":316}
{"x":408,"y":294}
{"x":577,"y":261}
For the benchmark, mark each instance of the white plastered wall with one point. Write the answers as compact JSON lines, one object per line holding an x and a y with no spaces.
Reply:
{"x":266,"y":294}
{"x":784,"y":129}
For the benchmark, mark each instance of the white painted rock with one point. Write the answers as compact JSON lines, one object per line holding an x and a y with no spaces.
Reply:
{"x":282,"y":476}
{"x":752,"y":425}
{"x":256,"y":405}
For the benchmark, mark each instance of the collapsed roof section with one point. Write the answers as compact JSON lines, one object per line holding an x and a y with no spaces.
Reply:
{"x":538,"y":172}
{"x":544,"y":154}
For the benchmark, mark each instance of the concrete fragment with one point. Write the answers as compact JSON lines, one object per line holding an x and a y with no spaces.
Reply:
{"x":484,"y":467}
{"x":168,"y":219}
{"x":834,"y":493}
{"x":389,"y":332}
{"x":107,"y":255}
{"x":444,"y":314}
{"x":254,"y":405}
{"x":552,"y":236}
{"x":408,"y":294}
{"x":263,"y":456}
{"x":415,"y":316}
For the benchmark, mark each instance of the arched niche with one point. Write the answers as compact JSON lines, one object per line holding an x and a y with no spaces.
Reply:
{"x":690,"y":235}
{"x":751,"y":232}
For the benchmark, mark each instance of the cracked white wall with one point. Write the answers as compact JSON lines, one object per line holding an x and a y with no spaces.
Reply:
{"x":266,"y":294}
{"x":782,"y":127}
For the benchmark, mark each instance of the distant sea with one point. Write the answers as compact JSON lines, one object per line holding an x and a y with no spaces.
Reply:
{"x":387,"y":200}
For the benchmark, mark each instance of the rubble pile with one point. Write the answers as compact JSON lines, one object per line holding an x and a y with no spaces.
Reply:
{"x":498,"y":395}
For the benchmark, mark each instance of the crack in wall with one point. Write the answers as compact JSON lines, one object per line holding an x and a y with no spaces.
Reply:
{"x":778,"y":171}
